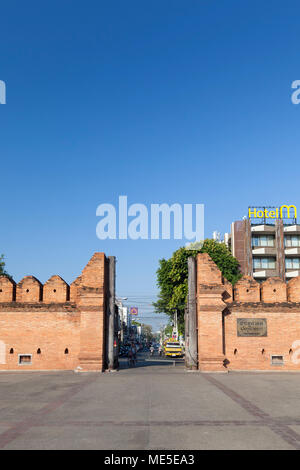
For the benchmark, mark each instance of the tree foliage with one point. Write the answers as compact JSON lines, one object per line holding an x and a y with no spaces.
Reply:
{"x":147,"y":332}
{"x":172,"y":276}
{"x":2,"y":267}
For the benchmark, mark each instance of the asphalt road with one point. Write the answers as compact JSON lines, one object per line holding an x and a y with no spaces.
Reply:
{"x":152,"y":406}
{"x":144,"y":359}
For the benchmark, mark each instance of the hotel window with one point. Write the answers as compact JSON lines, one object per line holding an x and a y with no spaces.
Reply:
{"x":264,"y":263}
{"x":292,"y":263}
{"x":291,"y":240}
{"x":263,"y":240}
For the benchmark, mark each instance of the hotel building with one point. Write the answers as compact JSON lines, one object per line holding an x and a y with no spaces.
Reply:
{"x":267,"y":247}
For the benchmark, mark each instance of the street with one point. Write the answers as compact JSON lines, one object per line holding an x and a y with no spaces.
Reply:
{"x":152,"y":406}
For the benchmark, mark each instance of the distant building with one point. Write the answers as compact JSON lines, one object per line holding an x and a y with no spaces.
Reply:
{"x":124,"y":320}
{"x":267,"y":245}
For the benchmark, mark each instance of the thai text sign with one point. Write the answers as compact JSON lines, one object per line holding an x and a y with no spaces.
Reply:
{"x":252,"y":327}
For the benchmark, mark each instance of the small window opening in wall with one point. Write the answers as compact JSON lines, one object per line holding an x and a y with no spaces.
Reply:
{"x":66,"y":351}
{"x":54,"y":290}
{"x":25,"y":359}
{"x":277,"y":360}
{"x":274,"y":290}
{"x":27,"y":290}
{"x":247,"y":290}
{"x":290,"y":351}
{"x":38,"y":351}
{"x":11,"y":351}
{"x":0,"y":290}
{"x":235,"y":352}
{"x":263,"y":351}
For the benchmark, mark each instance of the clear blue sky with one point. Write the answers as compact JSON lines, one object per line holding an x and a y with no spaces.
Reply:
{"x":161,"y":100}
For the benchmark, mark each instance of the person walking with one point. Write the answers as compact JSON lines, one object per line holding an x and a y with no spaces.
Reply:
{"x":132,"y":354}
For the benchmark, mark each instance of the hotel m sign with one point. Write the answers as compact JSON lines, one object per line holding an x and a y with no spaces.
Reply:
{"x":251,"y":326}
{"x":275,"y":213}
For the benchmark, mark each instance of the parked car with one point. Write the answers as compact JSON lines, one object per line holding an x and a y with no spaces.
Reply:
{"x":173,"y":349}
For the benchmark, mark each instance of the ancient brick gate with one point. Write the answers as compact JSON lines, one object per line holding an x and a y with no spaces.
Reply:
{"x":55,"y":326}
{"x":249,"y":327}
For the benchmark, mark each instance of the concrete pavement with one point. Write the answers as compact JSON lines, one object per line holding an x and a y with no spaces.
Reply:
{"x":152,"y":406}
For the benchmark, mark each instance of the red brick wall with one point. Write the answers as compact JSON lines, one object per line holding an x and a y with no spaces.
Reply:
{"x":210,"y":305}
{"x":273,"y":290}
{"x":26,"y":331}
{"x":55,"y":290}
{"x":35,"y":317}
{"x":293,"y":290}
{"x":247,"y":290}
{"x":218,"y":308}
{"x":92,"y":304}
{"x":29,"y":290}
{"x":254,"y":353}
{"x":7,"y":289}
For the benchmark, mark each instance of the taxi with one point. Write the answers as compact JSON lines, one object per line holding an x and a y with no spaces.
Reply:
{"x":173,"y":349}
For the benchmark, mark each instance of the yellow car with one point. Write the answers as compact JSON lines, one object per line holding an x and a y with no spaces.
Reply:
{"x":173,"y":349}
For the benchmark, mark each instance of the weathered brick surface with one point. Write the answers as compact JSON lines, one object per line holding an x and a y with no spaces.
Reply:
{"x":220,"y":347}
{"x":273,"y":290}
{"x":7,"y":289}
{"x":207,"y":272}
{"x":74,"y":289}
{"x":247,"y":290}
{"x":228,"y":293}
{"x":293,"y":290}
{"x":57,"y":332}
{"x":55,"y":290}
{"x":29,"y":290}
{"x":210,"y":305}
{"x":254,"y":353}
{"x":92,"y":305}
{"x":51,"y":332}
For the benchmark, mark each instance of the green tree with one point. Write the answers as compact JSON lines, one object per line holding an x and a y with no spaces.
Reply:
{"x":2,"y":267}
{"x":168,"y":330}
{"x":172,"y":277}
{"x":147,"y":332}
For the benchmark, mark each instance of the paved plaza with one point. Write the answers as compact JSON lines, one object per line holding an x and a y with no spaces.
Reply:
{"x":153,"y":406}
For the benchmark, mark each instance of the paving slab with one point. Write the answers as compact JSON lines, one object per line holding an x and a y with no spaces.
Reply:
{"x":152,"y":406}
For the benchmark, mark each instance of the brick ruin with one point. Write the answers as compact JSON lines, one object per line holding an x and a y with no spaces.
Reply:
{"x":249,"y":327}
{"x":55,"y":326}
{"x":60,"y":327}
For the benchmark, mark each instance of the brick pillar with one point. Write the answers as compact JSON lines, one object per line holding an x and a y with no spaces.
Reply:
{"x":210,"y":306}
{"x":91,"y":302}
{"x":248,"y":248}
{"x":241,"y":245}
{"x":280,"y":255}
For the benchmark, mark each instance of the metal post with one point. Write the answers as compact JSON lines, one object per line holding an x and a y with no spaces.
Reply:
{"x":176,"y":323}
{"x":191,"y":350}
{"x":111,"y":310}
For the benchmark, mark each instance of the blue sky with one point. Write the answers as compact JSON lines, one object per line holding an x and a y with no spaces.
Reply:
{"x":162,"y":101}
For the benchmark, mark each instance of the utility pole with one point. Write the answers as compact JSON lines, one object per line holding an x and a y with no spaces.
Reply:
{"x":110,"y":324}
{"x":175,"y":329}
{"x":191,"y":349}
